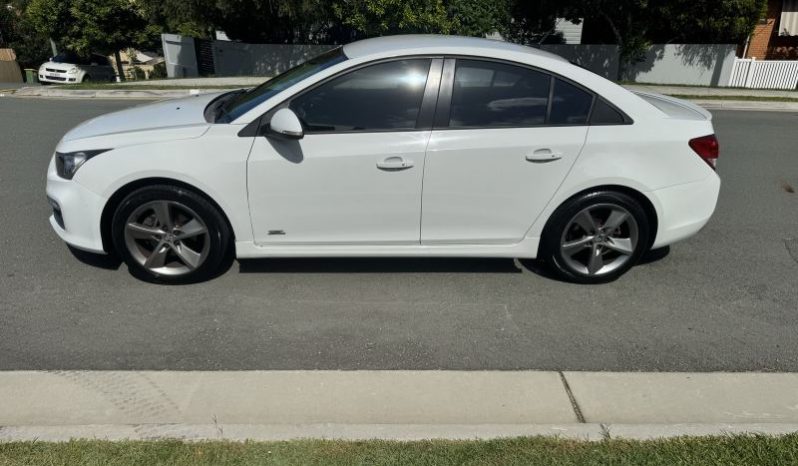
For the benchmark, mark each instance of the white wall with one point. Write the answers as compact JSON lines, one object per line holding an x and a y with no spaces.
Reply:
{"x":695,"y":64}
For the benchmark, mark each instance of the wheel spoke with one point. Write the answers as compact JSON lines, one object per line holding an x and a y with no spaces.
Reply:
{"x":187,"y":256}
{"x":157,"y":258}
{"x":572,"y":247}
{"x":140,"y":231}
{"x":163,"y":214}
{"x":596,"y":262}
{"x":616,"y":219}
{"x":622,"y":245}
{"x":191,"y":229}
{"x":586,"y":222}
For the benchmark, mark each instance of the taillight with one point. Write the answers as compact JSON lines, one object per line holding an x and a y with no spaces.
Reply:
{"x":707,"y":148}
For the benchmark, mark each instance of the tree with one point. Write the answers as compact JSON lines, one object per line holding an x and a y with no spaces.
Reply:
{"x":255,"y":21}
{"x":479,"y":17}
{"x":18,"y":33}
{"x":533,"y":22}
{"x":370,"y":18}
{"x":93,"y":26}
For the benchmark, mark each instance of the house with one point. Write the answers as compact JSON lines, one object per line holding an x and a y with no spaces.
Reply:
{"x":776,"y":35}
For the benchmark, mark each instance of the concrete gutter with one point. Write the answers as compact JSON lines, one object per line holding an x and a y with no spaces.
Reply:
{"x":402,"y":405}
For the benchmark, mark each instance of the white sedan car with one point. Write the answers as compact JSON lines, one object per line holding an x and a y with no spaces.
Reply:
{"x":68,"y":68}
{"x":395,"y":146}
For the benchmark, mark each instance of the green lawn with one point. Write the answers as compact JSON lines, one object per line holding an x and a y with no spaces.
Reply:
{"x":730,"y":450}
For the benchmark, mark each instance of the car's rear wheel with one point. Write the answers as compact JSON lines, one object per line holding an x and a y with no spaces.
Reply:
{"x":596,"y":237}
{"x":169,"y":234}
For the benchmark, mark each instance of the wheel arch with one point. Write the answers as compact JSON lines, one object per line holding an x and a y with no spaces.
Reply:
{"x":645,"y":203}
{"x":120,"y":194}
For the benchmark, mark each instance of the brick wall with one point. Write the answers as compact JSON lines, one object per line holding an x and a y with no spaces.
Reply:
{"x":766,"y":43}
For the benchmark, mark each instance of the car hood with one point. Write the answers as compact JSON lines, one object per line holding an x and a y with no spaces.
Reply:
{"x":170,"y":114}
{"x":58,"y":66}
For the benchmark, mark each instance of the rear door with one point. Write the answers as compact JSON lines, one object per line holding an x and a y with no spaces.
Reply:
{"x":505,"y":137}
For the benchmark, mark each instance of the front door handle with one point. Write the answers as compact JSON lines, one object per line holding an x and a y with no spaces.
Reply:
{"x":543,"y":155}
{"x":395,"y":163}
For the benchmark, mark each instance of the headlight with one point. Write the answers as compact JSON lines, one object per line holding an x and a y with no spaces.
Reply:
{"x":67,"y":164}
{"x":72,"y":71}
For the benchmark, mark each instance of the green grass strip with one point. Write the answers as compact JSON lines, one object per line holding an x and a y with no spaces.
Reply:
{"x":728,"y":450}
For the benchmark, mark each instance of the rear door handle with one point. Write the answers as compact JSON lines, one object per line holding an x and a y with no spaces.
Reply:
{"x":395,"y":163}
{"x":543,"y":155}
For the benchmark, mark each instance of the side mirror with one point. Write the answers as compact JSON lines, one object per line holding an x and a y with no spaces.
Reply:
{"x":285,"y":123}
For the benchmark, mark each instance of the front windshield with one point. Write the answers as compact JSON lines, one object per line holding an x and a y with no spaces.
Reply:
{"x":246,"y":101}
{"x":68,"y":57}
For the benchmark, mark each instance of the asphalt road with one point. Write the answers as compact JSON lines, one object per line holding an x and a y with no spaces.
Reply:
{"x":726,"y":299}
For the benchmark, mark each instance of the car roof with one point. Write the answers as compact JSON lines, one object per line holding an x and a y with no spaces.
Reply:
{"x":433,"y":43}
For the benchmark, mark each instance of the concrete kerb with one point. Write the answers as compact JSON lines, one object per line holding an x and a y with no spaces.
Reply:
{"x":396,"y":405}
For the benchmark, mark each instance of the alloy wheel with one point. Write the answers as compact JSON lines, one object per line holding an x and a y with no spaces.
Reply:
{"x":167,"y":238}
{"x":599,"y":239}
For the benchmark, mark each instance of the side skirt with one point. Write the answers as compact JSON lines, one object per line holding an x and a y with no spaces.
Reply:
{"x":525,"y":249}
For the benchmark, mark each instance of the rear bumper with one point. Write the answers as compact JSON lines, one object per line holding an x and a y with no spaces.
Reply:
{"x":684,"y":209}
{"x":80,"y":211}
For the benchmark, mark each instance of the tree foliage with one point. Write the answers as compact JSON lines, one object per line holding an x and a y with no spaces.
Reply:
{"x":91,"y":26}
{"x":370,"y":18}
{"x":18,"y":33}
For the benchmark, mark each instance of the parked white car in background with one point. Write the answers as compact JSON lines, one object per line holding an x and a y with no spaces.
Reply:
{"x":395,"y":146}
{"x":66,"y":68}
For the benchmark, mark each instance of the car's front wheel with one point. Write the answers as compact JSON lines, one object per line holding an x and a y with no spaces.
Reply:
{"x":596,"y":237}
{"x":169,"y":234}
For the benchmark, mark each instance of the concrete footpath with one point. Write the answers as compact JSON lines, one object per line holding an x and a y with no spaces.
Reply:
{"x":404,"y":405}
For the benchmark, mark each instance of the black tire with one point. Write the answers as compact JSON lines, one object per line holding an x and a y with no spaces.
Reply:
{"x":209,"y":248}
{"x":86,"y":79}
{"x":604,"y":242}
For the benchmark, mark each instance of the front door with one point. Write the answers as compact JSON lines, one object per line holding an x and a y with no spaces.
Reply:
{"x":356,"y":175}
{"x":499,"y":152}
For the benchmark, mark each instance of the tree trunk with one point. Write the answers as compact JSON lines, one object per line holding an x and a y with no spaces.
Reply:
{"x":119,"y":69}
{"x":619,"y":40}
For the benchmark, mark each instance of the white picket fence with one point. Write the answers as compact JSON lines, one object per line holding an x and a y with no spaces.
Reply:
{"x":764,"y":74}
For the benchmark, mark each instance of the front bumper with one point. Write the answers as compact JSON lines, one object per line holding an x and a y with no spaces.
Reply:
{"x":77,"y":212}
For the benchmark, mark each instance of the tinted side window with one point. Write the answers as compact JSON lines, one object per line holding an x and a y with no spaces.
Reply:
{"x":570,"y":105}
{"x":385,"y":96}
{"x":487,"y":94}
{"x":603,"y":114}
